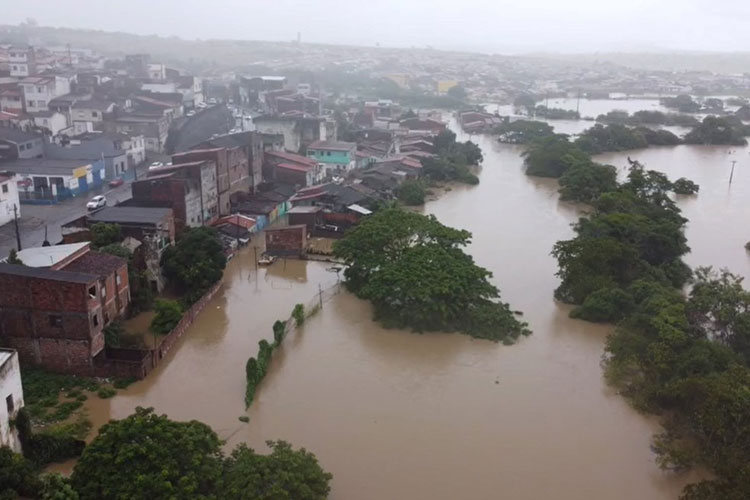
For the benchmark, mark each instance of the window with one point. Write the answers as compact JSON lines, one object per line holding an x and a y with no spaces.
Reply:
{"x":5,"y":188}
{"x":118,"y":280}
{"x":22,"y":147}
{"x":55,"y":320}
{"x":92,"y":292}
{"x":104,"y":292}
{"x":30,"y":104}
{"x":95,"y":318}
{"x":10,"y":404}
{"x":95,"y":114}
{"x":40,"y":89}
{"x":15,"y":68}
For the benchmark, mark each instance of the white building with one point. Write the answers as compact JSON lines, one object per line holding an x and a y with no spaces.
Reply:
{"x":11,"y":393}
{"x":53,"y":121}
{"x":38,"y":91}
{"x":8,"y":197}
{"x":21,"y":61}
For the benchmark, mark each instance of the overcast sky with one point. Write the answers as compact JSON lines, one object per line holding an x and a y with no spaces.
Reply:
{"x":484,"y":25}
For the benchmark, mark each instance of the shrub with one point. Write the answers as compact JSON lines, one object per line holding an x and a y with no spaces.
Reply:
{"x":298,"y":313}
{"x":279,"y":328}
{"x":168,"y":314}
{"x":685,"y":186}
{"x":106,"y":392}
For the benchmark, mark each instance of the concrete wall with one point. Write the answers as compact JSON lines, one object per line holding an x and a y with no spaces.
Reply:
{"x":55,"y":123}
{"x":10,"y":386}
{"x":9,"y":200}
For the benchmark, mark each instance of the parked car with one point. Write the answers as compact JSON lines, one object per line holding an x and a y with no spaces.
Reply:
{"x":96,"y":202}
{"x":200,"y":105}
{"x":116,"y":182}
{"x":155,"y":164}
{"x":191,"y":113}
{"x":212,"y":101}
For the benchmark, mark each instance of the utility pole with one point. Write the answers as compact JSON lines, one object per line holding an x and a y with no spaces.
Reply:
{"x":320,"y":296}
{"x":578,"y":102}
{"x":731,"y":174}
{"x":255,"y":250}
{"x":15,"y":221}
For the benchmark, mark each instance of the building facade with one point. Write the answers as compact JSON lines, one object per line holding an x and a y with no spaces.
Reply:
{"x":10,"y":205}
{"x":11,"y":392}
{"x":54,"y":316}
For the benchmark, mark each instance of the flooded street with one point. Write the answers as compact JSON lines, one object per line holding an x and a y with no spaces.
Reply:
{"x":441,"y":416}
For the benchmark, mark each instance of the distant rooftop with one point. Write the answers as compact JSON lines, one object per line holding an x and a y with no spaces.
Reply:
{"x":333,"y":145}
{"x":15,"y":135}
{"x":48,"y":256}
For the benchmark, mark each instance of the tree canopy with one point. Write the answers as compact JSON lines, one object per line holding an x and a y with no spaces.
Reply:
{"x":103,"y":234}
{"x":523,"y":131}
{"x":195,"y":263}
{"x":551,"y":156}
{"x":414,"y":271}
{"x":585,"y":181}
{"x":412,"y":192}
{"x":285,"y":474}
{"x":150,"y":456}
{"x":718,"y":130}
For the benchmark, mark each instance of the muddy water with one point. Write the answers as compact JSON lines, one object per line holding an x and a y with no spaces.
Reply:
{"x":399,"y":415}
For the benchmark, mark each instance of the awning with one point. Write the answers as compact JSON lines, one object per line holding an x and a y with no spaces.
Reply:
{"x":359,"y":209}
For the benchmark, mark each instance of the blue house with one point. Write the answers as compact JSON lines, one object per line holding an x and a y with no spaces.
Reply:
{"x":339,"y":158}
{"x":47,"y":181}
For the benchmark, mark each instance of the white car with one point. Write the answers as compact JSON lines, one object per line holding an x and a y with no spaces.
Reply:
{"x":155,"y":164}
{"x":96,"y":202}
{"x":212,"y":101}
{"x":191,"y":113}
{"x":200,"y":105}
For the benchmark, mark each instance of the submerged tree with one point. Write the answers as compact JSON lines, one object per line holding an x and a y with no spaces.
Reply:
{"x":416,"y":274}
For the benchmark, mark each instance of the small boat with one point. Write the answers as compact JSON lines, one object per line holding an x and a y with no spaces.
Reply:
{"x":266,"y":260}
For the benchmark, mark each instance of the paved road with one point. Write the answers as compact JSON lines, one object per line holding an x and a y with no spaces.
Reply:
{"x":34,"y":218}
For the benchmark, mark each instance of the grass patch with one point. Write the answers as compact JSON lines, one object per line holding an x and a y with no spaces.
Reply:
{"x":42,"y":392}
{"x":106,"y":392}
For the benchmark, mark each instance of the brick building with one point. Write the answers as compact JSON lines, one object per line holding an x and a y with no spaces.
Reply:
{"x":286,"y":241}
{"x":189,"y":189}
{"x":250,"y":145}
{"x":54,"y":308}
{"x":232,"y":172}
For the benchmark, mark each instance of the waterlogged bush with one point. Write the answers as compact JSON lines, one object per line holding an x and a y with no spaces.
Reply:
{"x":685,"y":186}
{"x":298,"y":313}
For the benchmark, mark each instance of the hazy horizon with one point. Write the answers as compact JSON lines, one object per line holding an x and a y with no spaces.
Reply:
{"x":578,"y":26}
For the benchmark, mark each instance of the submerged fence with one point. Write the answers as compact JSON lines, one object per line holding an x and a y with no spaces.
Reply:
{"x":256,"y":368}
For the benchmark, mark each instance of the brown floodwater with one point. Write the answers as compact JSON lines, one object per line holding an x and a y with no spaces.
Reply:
{"x":396,"y":415}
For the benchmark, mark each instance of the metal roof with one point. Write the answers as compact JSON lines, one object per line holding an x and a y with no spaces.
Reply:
{"x":46,"y":274}
{"x":48,"y":256}
{"x":130,"y":215}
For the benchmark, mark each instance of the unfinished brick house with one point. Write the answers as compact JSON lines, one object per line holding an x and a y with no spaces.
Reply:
{"x":286,"y":241}
{"x":54,"y":308}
